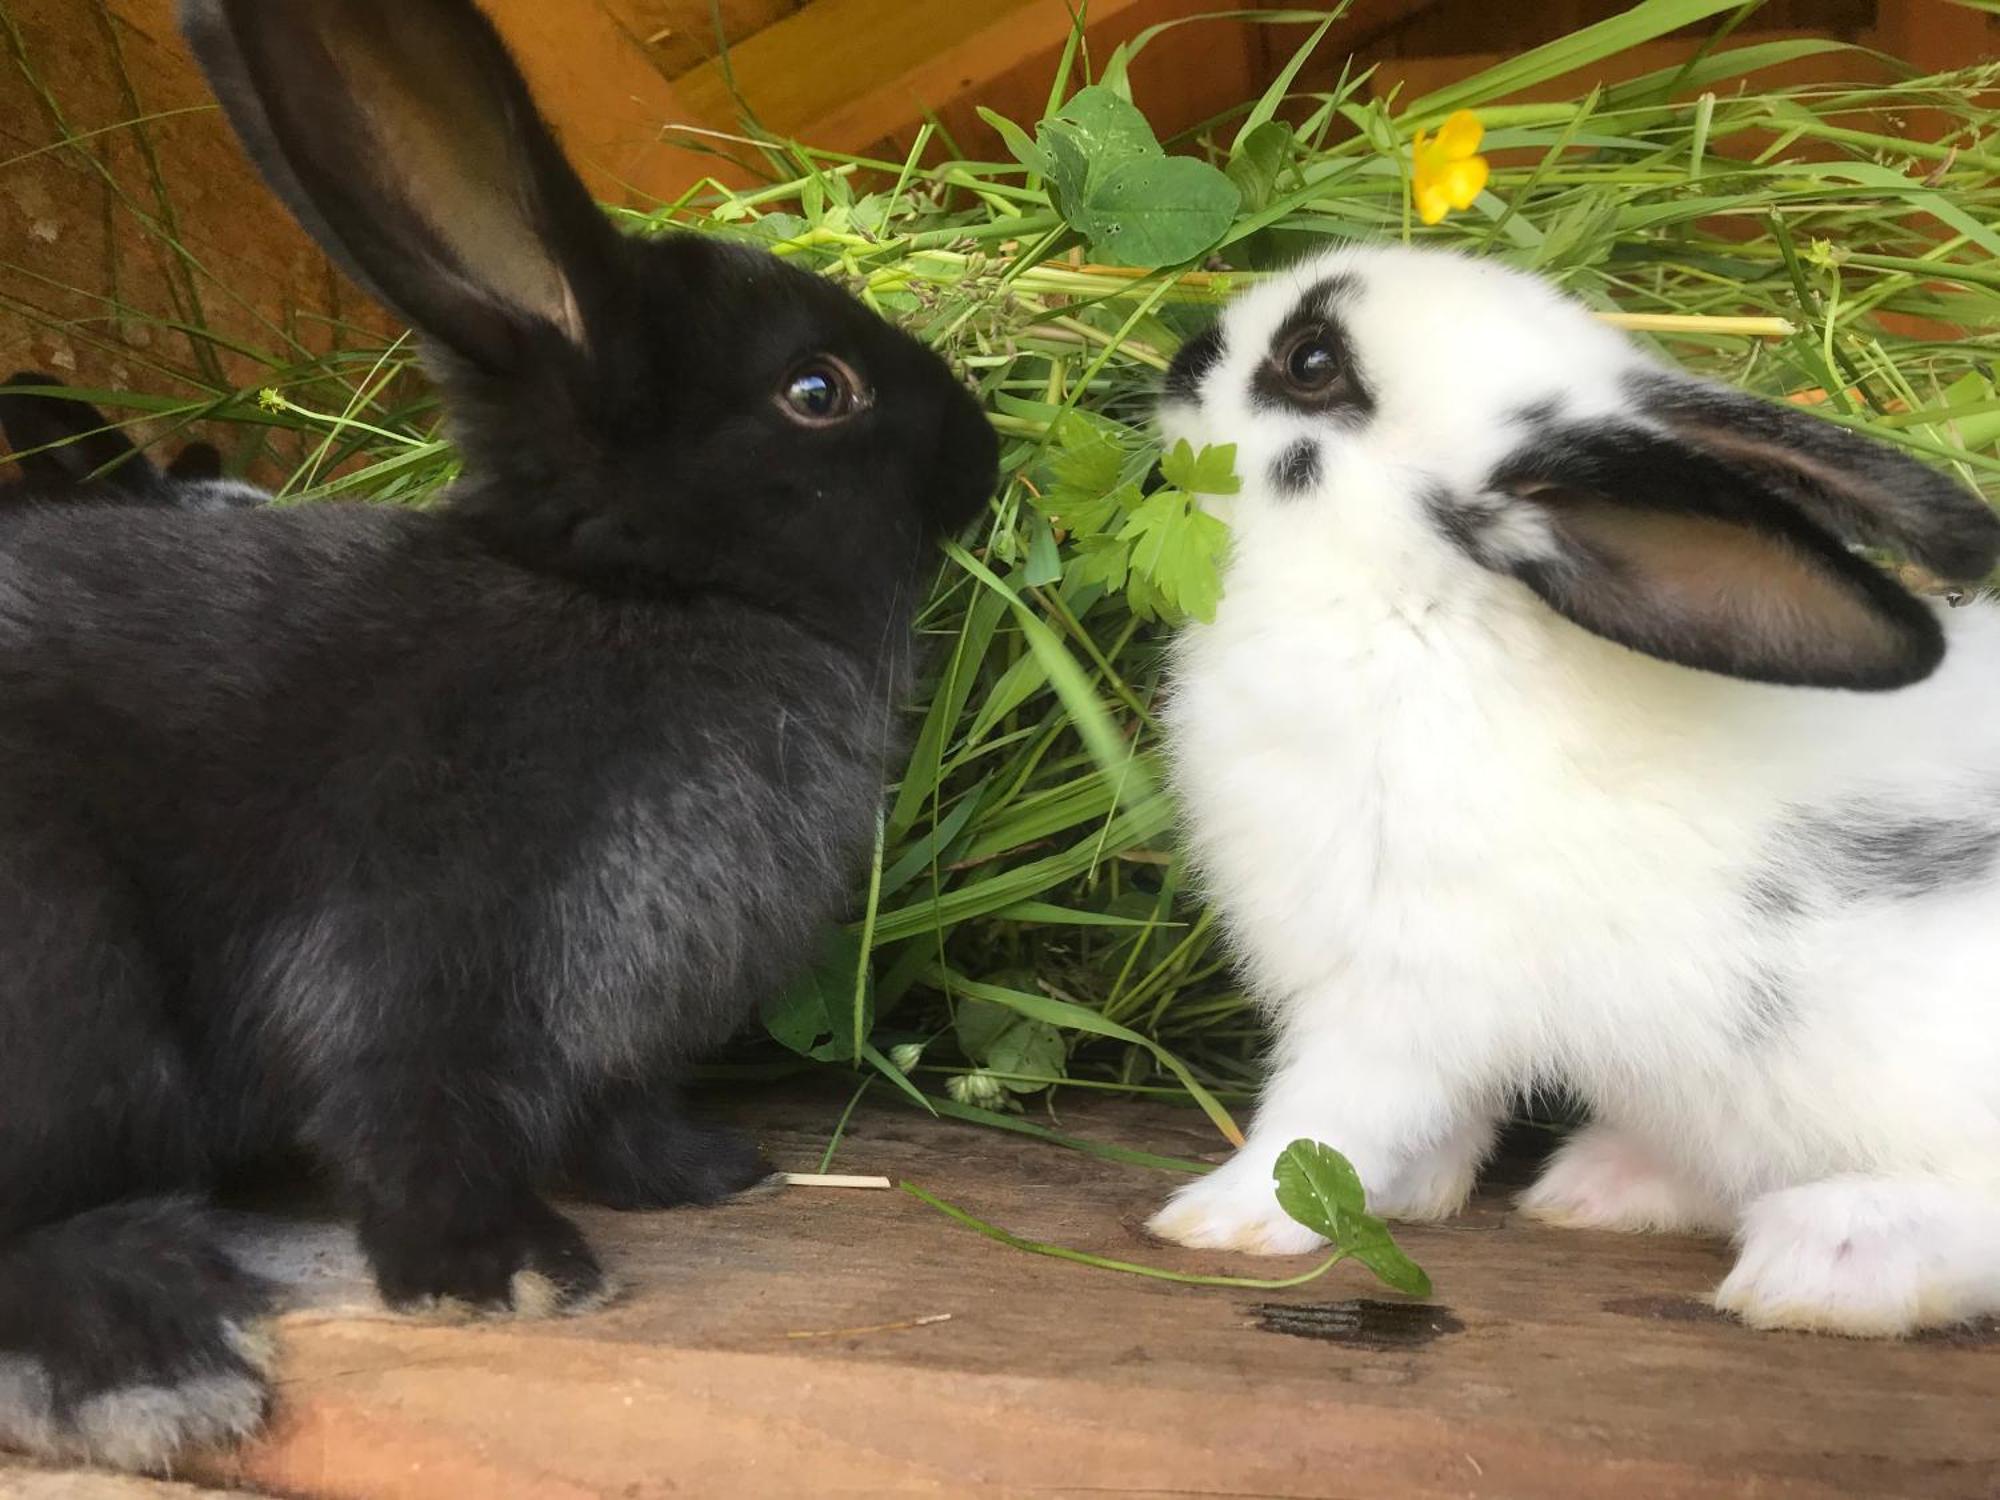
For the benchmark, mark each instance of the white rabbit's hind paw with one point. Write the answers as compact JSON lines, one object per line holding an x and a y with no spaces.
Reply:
{"x":1233,"y":1210}
{"x":1601,"y":1179}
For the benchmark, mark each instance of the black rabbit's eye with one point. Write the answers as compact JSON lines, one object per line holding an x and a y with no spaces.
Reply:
{"x":821,"y":392}
{"x":1311,"y":361}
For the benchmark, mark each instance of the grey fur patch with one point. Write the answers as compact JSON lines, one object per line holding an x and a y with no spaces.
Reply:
{"x":1296,"y":470}
{"x":1769,"y":1009}
{"x":137,"y":1427}
{"x":1491,"y":528}
{"x":217,"y":495}
{"x":27,"y":1407}
{"x":1870,"y":852}
{"x":1772,"y":896}
{"x":1542,"y":413}
{"x":146,"y":1426}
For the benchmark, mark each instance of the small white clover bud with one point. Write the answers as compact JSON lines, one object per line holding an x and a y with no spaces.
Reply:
{"x":980,"y":1089}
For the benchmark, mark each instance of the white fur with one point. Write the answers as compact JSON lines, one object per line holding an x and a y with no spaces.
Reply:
{"x":1464,"y":846}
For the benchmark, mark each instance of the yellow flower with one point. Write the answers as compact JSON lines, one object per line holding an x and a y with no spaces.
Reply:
{"x":1446,"y":171}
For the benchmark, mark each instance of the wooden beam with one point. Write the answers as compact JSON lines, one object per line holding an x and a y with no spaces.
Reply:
{"x":597,"y":85}
{"x":847,"y":73}
{"x":1417,"y":76}
{"x":856,"y":74}
{"x":798,"y":1343}
{"x":1934,"y":35}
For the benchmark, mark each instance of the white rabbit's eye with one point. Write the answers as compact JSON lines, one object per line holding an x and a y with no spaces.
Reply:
{"x":821,"y":392}
{"x":1311,"y":360}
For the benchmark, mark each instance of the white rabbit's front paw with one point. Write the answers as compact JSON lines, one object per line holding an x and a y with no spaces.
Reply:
{"x":1235,"y":1207}
{"x":1602,"y":1179}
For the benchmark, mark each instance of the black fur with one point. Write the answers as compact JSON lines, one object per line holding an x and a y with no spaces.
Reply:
{"x":1296,"y":470}
{"x":68,"y":451}
{"x":197,"y":461}
{"x":123,"y":1322}
{"x":71,"y":453}
{"x":1192,"y":363}
{"x":1568,"y":514}
{"x":640,"y":1151}
{"x":1349,"y":398}
{"x":436,"y":843}
{"x":1854,"y":487}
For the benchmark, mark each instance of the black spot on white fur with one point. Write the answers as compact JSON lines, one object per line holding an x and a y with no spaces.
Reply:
{"x":1296,"y":470}
{"x":1192,"y":363}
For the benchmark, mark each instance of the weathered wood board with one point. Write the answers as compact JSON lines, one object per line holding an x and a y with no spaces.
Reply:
{"x":822,"y":1342}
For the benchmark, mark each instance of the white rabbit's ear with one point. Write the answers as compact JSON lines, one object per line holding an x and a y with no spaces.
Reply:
{"x":1644,"y":539}
{"x":1860,"y":490}
{"x":402,"y":136}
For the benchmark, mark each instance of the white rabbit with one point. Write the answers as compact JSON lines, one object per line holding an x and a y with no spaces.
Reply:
{"x":1526,"y":748}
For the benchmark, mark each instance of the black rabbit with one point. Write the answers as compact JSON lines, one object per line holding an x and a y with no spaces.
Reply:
{"x":432,"y":842}
{"x":67,"y":451}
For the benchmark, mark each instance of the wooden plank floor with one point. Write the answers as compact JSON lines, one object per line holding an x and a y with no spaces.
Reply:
{"x":856,"y":1343}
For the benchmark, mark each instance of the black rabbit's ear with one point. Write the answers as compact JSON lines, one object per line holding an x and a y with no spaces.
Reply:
{"x":196,"y":461}
{"x":402,"y":136}
{"x":60,"y":440}
{"x":1649,"y":541}
{"x":1860,"y":490}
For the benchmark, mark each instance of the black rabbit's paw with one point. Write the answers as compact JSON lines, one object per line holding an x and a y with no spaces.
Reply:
{"x":532,"y":1263}
{"x":651,"y":1156}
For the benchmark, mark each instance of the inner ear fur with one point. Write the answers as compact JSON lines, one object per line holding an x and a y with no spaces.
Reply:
{"x":1670,"y":551}
{"x":403,"y":137}
{"x":1860,"y":490}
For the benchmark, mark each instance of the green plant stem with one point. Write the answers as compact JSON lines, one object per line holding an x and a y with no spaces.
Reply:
{"x":1105,"y":1263}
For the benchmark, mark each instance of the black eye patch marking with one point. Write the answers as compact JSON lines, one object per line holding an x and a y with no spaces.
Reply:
{"x":1347,"y":396}
{"x":1296,"y":470}
{"x":1191,"y":365}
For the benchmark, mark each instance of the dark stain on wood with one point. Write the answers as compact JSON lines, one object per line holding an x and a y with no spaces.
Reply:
{"x":1667,"y":1310}
{"x":1980,"y":1333}
{"x":1360,"y":1322}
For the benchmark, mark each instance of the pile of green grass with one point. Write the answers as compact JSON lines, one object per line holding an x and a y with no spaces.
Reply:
{"x":1026,"y":919}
